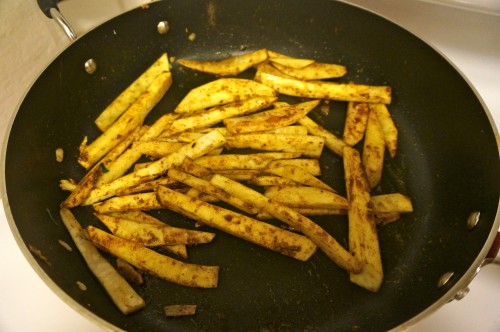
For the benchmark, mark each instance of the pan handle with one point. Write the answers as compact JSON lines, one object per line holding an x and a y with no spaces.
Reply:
{"x":50,"y":9}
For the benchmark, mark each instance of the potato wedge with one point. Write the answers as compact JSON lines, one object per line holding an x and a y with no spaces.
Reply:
{"x":363,"y":238}
{"x":222,"y":91}
{"x":266,"y":235}
{"x":216,"y":114}
{"x":169,"y":269}
{"x":123,"y":295}
{"x":269,"y":120}
{"x":289,"y":216}
{"x":151,"y":234}
{"x":373,"y":150}
{"x":355,"y":122}
{"x":327,"y":90}
{"x":307,"y":145}
{"x":127,"y":123}
{"x":229,"y":66}
{"x":299,"y":175}
{"x":121,"y":103}
{"x":306,"y":197}
{"x":388,"y":127}
{"x":395,"y":202}
{"x":332,"y":142}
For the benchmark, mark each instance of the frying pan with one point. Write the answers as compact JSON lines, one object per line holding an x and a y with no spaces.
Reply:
{"x":448,"y":162}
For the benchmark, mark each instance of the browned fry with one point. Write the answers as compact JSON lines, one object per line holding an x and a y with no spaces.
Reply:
{"x":355,"y":122}
{"x":176,"y":310}
{"x":146,"y":186}
{"x":271,"y":180}
{"x":332,"y":142}
{"x":388,"y":127}
{"x":306,"y":197}
{"x":363,"y":238}
{"x":157,"y":148}
{"x":373,"y":150}
{"x":313,"y":71}
{"x":128,"y":272}
{"x":189,"y":166}
{"x":142,"y":201}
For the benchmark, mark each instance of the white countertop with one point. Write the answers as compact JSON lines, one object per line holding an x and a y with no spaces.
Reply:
{"x":29,"y":41}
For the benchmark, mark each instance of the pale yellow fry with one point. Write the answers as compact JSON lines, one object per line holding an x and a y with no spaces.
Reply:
{"x":292,"y":63}
{"x":242,"y":161}
{"x":263,"y":234}
{"x":321,"y":212}
{"x":217,"y":114}
{"x":141,"y":201}
{"x":306,"y":197}
{"x":373,"y":150}
{"x":287,"y":215}
{"x":151,"y":234}
{"x":395,"y":202}
{"x":310,"y":165}
{"x":140,"y":216}
{"x":131,"y":93}
{"x":239,"y":174}
{"x":363,"y":238}
{"x":91,"y":179}
{"x":355,"y":122}
{"x":146,"y":186}
{"x":307,"y":145}
{"x":299,"y":175}
{"x":267,"y":67}
{"x":269,"y":120}
{"x":222,"y":91}
{"x":313,"y":71}
{"x":156,"y":148}
{"x":193,"y":150}
{"x":327,"y":90}
{"x":123,"y":295}
{"x":332,"y":142}
{"x":128,"y":122}
{"x":272,"y":180}
{"x":229,"y":66}
{"x":388,"y":127}
{"x":150,"y":261}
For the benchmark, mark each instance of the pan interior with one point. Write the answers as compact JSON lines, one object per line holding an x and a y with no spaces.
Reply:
{"x":448,"y":162}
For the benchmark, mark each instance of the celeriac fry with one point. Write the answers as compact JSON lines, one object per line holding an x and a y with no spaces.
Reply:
{"x":150,"y":235}
{"x":143,"y":217}
{"x":388,"y":203}
{"x":363,"y":238}
{"x":299,"y":175}
{"x":193,"y":150}
{"x":321,"y":212}
{"x":332,"y":142}
{"x":373,"y":150}
{"x":222,"y":91}
{"x":141,"y":201}
{"x":314,"y":71}
{"x":307,"y":145}
{"x":195,"y":193}
{"x":189,"y":166}
{"x":384,"y":218}
{"x":388,"y":127}
{"x":146,"y":186}
{"x":310,"y":165}
{"x":306,"y":197}
{"x":156,"y":148}
{"x":287,"y":215}
{"x":242,"y":161}
{"x":130,"y":119}
{"x":91,"y":179}
{"x":123,"y":295}
{"x":169,"y":269}
{"x":288,"y":61}
{"x":267,"y":67}
{"x":131,"y":93}
{"x":239,"y":174}
{"x":355,"y":122}
{"x":208,"y":188}
{"x":266,"y":235}
{"x":229,"y":66}
{"x":176,"y":310}
{"x":327,"y":90}
{"x":272,"y":180}
{"x":197,"y":120}
{"x":269,"y":120}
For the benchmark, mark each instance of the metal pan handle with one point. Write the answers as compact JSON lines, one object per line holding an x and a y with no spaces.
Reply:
{"x":50,"y":9}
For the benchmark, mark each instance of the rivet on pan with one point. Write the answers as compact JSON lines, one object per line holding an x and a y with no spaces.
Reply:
{"x":461,"y":293}
{"x":163,"y":27}
{"x":90,"y":66}
{"x":445,"y":278}
{"x":473,"y":219}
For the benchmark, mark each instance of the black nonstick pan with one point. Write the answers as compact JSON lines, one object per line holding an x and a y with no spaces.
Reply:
{"x":448,"y":162}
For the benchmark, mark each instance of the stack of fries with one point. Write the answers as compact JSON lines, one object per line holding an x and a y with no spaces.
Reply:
{"x":196,"y":162}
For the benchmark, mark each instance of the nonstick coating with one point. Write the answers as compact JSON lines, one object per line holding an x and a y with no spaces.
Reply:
{"x":448,"y":162}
